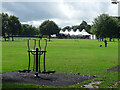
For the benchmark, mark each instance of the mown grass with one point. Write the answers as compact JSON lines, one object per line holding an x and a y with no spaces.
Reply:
{"x":69,"y":56}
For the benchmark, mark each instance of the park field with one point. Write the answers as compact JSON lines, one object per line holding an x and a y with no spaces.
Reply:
{"x":68,"y":56}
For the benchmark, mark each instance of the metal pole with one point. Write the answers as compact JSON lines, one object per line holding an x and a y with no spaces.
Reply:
{"x":45,"y":53}
{"x":44,"y":62}
{"x":29,"y":61}
{"x":34,"y":55}
{"x":39,"y":57}
{"x":39,"y":45}
{"x":29,"y":56}
{"x":36,"y":60}
{"x":45,"y":44}
{"x":34,"y":63}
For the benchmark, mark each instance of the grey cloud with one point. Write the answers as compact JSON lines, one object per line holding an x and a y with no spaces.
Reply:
{"x":28,"y":11}
{"x":38,"y":11}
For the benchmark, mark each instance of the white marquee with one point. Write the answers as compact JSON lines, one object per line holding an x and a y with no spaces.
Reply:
{"x":77,"y":33}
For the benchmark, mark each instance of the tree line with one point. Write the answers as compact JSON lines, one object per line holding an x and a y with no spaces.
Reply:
{"x":11,"y":27}
{"x":104,"y":26}
{"x":82,"y":26}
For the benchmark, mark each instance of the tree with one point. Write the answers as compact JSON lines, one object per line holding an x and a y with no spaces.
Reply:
{"x":105,"y":26}
{"x":88,"y":28}
{"x":15,"y":26}
{"x":112,"y":30}
{"x":49,"y":28}
{"x":10,"y":25}
{"x":66,"y":27}
{"x":82,"y":25}
{"x":5,"y":25}
{"x":118,"y":35}
{"x":74,"y":27}
{"x":0,"y":24}
{"x":35,"y":31}
{"x":29,"y":30}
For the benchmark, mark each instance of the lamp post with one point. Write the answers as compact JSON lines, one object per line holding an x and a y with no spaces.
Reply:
{"x":115,"y":2}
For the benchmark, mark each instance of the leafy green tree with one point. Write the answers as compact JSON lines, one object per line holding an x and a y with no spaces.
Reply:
{"x":5,"y":25}
{"x":105,"y":26}
{"x":118,"y":32}
{"x":80,"y":27}
{"x":29,"y":30}
{"x":49,"y":28}
{"x":88,"y":28}
{"x":0,"y":24}
{"x":118,"y":35}
{"x":10,"y":25}
{"x":112,"y":30}
{"x":66,"y":27}
{"x":36,"y":31}
{"x":75,"y":27}
{"x":84,"y":23}
{"x":15,"y":26}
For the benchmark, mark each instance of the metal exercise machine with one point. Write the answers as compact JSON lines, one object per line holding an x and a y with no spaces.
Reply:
{"x":37,"y":52}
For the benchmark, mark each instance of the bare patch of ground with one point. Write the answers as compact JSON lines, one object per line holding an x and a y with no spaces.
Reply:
{"x":115,"y":69}
{"x":92,"y":84}
{"x":45,"y":79}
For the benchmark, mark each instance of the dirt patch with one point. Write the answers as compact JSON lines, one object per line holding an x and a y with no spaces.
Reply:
{"x":45,"y":79}
{"x":115,"y":84}
{"x":92,"y":84}
{"x":115,"y":69}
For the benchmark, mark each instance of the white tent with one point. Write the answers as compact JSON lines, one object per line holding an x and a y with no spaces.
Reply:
{"x":78,"y":32}
{"x":71,"y":32}
{"x":61,"y":32}
{"x":66,"y":32}
{"x":84,"y":33}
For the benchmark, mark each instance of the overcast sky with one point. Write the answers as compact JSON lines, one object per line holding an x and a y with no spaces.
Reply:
{"x":63,"y":13}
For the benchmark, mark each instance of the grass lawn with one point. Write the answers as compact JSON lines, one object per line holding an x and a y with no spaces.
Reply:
{"x":69,"y":56}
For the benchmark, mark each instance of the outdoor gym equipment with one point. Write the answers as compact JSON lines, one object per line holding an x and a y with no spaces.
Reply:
{"x":37,"y":52}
